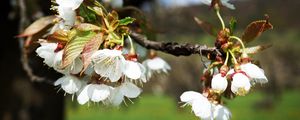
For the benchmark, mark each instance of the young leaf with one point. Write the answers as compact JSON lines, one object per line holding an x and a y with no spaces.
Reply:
{"x":75,"y":46}
{"x":255,"y":29}
{"x":113,"y":16}
{"x":87,"y":14}
{"x":89,"y":48}
{"x":207,"y":27}
{"x":232,"y":25}
{"x":59,"y":36}
{"x":37,"y":26}
{"x":87,"y":27}
{"x":126,"y":21}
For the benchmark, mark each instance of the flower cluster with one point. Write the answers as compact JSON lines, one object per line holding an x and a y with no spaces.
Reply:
{"x":91,"y":57}
{"x":230,"y":73}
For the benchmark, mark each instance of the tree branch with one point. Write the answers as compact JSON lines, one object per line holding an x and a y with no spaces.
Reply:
{"x":174,"y":48}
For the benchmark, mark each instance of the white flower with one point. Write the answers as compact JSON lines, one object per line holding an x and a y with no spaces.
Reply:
{"x":224,"y":2}
{"x":135,"y":71}
{"x":156,"y":65}
{"x":221,"y":113}
{"x":200,"y":104}
{"x":66,"y":10}
{"x":126,"y":89}
{"x":109,"y":63}
{"x":93,"y":92}
{"x":54,"y":59}
{"x":46,"y":51}
{"x":69,"y":84}
{"x":219,"y":83}
{"x":254,"y":72}
{"x":240,"y":84}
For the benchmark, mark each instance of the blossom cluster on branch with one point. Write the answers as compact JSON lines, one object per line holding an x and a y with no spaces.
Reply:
{"x":86,"y":43}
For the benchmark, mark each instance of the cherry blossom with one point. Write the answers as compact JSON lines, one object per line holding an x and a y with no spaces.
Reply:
{"x":156,"y":65}
{"x":93,"y":92}
{"x":69,"y":84}
{"x":135,"y":71}
{"x":254,"y":72}
{"x":240,"y":84}
{"x":201,"y":107}
{"x":109,"y":63}
{"x":219,"y":83}
{"x":66,"y":10}
{"x":221,"y":112}
{"x":126,"y":89}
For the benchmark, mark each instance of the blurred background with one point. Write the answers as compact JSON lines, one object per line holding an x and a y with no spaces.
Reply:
{"x":172,"y":20}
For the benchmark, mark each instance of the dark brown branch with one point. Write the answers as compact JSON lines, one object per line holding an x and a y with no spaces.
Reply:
{"x":174,"y":48}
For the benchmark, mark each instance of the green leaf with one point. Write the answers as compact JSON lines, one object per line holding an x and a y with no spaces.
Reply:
{"x":87,"y":27}
{"x":232,"y":25}
{"x":96,"y":10}
{"x":126,"y":21}
{"x":255,"y":29}
{"x":207,"y":27}
{"x":75,"y":46}
{"x":37,"y":26}
{"x":87,"y":14}
{"x":89,"y":48}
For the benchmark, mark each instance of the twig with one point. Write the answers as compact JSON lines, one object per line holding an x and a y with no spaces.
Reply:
{"x":174,"y":48}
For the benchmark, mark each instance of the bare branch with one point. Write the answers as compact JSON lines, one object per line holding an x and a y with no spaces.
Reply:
{"x":174,"y":48}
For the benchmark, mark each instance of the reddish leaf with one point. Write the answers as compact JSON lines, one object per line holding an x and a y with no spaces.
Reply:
{"x":58,"y":36}
{"x":90,"y":48}
{"x":207,"y":27}
{"x":87,"y":27}
{"x":255,"y":29}
{"x":37,"y":26}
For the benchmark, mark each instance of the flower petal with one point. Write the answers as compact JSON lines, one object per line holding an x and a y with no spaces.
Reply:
{"x":130,"y":90}
{"x":240,"y":84}
{"x":202,"y":109}
{"x":254,"y":72}
{"x":109,"y":63}
{"x":83,"y":96}
{"x":98,"y":93}
{"x":221,"y":113}
{"x":132,"y":70}
{"x":116,"y":97}
{"x":219,"y":83}
{"x":191,"y":96}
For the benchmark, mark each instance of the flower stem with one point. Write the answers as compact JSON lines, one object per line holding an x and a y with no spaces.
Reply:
{"x":233,"y":56}
{"x":220,"y":18}
{"x":227,"y":57}
{"x":239,"y":40}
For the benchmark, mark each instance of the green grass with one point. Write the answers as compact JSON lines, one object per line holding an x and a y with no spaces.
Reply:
{"x":150,"y":107}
